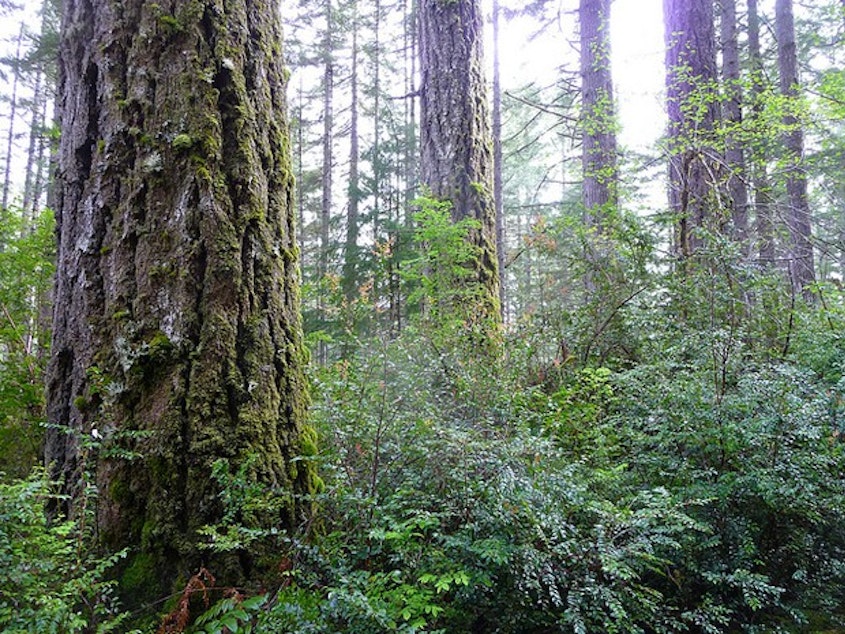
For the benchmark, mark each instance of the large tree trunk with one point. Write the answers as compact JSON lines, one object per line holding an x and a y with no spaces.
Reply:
{"x":598,"y":160}
{"x":692,"y":103}
{"x":802,"y":268}
{"x":177,"y":332}
{"x":455,"y":137}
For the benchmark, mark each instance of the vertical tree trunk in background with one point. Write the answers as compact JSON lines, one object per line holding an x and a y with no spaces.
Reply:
{"x":732,"y":112}
{"x":36,"y":131}
{"x":350,"y":254}
{"x":300,"y":190}
{"x":801,"y":269}
{"x":759,"y":155}
{"x":598,"y":125}
{"x":497,"y":160}
{"x":177,"y":294}
{"x":455,"y":139}
{"x":692,"y":104}
{"x":13,"y":109}
{"x":327,"y":181}
{"x":378,"y":168}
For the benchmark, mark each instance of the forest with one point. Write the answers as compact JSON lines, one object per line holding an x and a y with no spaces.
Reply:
{"x":361,"y":317}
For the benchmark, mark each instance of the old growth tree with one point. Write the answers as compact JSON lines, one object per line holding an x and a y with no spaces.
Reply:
{"x":176,"y":337}
{"x":455,"y":137}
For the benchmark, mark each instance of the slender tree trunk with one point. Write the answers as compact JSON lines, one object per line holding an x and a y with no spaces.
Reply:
{"x":350,"y":256}
{"x":691,"y":87}
{"x":32,"y":163}
{"x":760,"y":179}
{"x":41,"y":184}
{"x":598,"y":124}
{"x":455,"y":137}
{"x":802,"y":268}
{"x":300,"y":190}
{"x":327,"y":180}
{"x":732,"y":111}
{"x":498,"y":194}
{"x":177,"y":334}
{"x":411,"y":149}
{"x":13,"y":109}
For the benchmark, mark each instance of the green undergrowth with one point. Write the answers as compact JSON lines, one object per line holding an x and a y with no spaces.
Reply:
{"x":662,"y":498}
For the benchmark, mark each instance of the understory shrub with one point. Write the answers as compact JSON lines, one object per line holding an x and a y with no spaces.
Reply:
{"x":50,"y":579}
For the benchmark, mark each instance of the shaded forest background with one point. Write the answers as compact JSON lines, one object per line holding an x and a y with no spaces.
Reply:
{"x":644,"y":436}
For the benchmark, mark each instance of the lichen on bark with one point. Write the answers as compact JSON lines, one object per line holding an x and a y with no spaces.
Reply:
{"x":178,"y":273}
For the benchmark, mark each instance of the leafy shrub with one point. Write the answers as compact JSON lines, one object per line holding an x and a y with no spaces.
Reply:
{"x":50,"y":581}
{"x":26,"y":269}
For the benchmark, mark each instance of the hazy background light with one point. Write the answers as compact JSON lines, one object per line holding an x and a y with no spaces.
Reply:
{"x":636,"y":48}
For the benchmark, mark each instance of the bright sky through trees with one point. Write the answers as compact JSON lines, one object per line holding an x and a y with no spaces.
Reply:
{"x":637,"y":43}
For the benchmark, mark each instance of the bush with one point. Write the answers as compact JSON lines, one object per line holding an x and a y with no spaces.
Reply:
{"x":50,"y":581}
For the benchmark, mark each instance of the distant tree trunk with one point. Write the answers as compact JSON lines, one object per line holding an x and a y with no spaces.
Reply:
{"x":176,"y":331}
{"x":411,"y":150}
{"x":350,"y":255}
{"x":732,"y":111}
{"x":300,"y":190}
{"x":598,"y":160}
{"x":691,"y":86}
{"x":759,"y":175}
{"x":802,"y":268}
{"x":327,"y":180}
{"x":36,"y":131}
{"x":498,"y":194}
{"x":455,"y":138}
{"x":13,"y":109}
{"x":378,"y":168}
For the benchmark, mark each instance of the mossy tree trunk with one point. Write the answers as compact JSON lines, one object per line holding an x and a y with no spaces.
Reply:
{"x":455,"y":136}
{"x":177,"y":333}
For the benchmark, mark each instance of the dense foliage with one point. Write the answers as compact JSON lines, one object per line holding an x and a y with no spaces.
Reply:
{"x":650,"y":444}
{"x":699,"y":488}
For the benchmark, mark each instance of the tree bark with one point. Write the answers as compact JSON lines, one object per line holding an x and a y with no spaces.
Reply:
{"x":692,"y":104}
{"x":455,"y":138}
{"x":802,"y":268}
{"x":177,"y":334}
